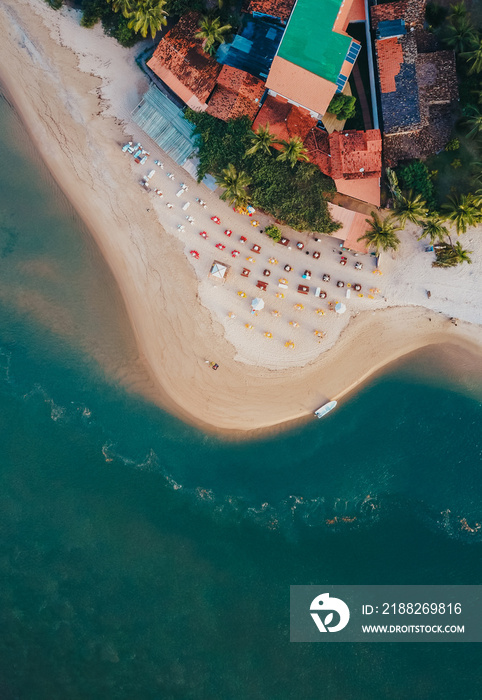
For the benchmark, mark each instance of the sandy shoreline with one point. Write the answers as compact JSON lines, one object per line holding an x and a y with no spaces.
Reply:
{"x":71,"y":121}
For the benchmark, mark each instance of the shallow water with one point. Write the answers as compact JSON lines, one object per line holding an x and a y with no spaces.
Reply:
{"x":140,"y":558}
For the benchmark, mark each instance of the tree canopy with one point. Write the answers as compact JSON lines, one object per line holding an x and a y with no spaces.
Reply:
{"x":294,"y":195}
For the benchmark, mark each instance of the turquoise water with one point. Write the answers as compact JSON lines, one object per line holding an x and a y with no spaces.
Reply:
{"x":140,"y":558}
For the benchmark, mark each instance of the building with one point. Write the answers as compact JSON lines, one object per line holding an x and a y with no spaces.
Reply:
{"x":352,"y":158}
{"x":236,"y":93}
{"x":316,"y":55}
{"x":417,"y":87}
{"x":285,"y":119}
{"x":279,"y":10}
{"x":180,"y":62}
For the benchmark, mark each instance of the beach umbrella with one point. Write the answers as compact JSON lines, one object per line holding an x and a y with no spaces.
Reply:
{"x":257,"y":304}
{"x":340,"y":308}
{"x":268,"y":334}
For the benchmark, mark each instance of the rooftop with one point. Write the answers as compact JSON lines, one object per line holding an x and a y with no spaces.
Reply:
{"x":183,"y":66}
{"x":254,"y":47}
{"x":281,"y":9}
{"x":285,"y":119}
{"x":310,"y":42}
{"x":316,"y":56}
{"x":356,"y":154}
{"x":354,"y":225}
{"x":236,"y":93}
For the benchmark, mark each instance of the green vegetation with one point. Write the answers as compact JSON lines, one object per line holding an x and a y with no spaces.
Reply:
{"x":463,"y":212}
{"x":235,"y":184}
{"x":434,"y":229}
{"x":410,"y":207}
{"x":262,"y":140}
{"x":273,"y":232}
{"x":435,"y":15}
{"x":343,"y":106}
{"x":293,"y":195}
{"x":147,"y":16}
{"x":416,"y":178}
{"x":114,"y":23}
{"x":453,"y":145}
{"x":382,"y":234}
{"x":293,"y":151}
{"x":212,"y":33}
{"x":450,"y":255}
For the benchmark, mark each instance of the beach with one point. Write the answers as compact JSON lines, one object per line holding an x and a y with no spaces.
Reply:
{"x":75,"y":90}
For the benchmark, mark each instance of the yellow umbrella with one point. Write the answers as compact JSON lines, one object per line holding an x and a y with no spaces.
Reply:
{"x":289,"y":344}
{"x":248,"y":326}
{"x":241,"y":294}
{"x":299,"y":307}
{"x":231,"y":315}
{"x":268,"y":334}
{"x":275,"y":313}
{"x":251,"y":260}
{"x":294,"y":324}
{"x":320,"y":311}
{"x":280,"y":295}
{"x":273,"y":261}
{"x":282,"y":280}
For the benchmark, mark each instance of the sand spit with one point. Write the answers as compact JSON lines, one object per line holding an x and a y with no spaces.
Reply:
{"x":75,"y":89}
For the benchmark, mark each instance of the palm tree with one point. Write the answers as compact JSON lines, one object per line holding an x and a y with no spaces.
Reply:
{"x":462,"y":212}
{"x":460,"y":35}
{"x":293,"y":151}
{"x":449,"y":255}
{"x":212,"y":33}
{"x":410,"y":208}
{"x":392,"y":180}
{"x":475,"y":58}
{"x":474,"y":121}
{"x":434,"y":229}
{"x":457,"y":11}
{"x":124,"y":6}
{"x":235,"y":184}
{"x":147,"y":15}
{"x":262,"y":140}
{"x":382,"y":234}
{"x":462,"y":255}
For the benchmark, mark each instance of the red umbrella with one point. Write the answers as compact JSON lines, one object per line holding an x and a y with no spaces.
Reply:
{"x":227,"y":232}
{"x":195,"y":254}
{"x":220,"y":246}
{"x":235,"y":253}
{"x":203,"y":234}
{"x":216,"y":219}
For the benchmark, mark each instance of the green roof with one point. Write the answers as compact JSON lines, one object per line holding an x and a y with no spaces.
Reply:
{"x":309,"y":41}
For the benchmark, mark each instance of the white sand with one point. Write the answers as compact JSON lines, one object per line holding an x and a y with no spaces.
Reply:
{"x":76,"y":89}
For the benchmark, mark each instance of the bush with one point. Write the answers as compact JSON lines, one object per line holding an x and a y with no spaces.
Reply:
{"x":416,"y":177}
{"x":343,"y":106}
{"x":292,"y":195}
{"x":453,"y":145}
{"x":113,"y":23}
{"x":55,"y":4}
{"x":456,"y":163}
{"x":435,"y":14}
{"x":273,"y":232}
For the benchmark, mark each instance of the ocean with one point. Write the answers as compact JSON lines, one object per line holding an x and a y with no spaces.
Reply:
{"x":141,"y":558}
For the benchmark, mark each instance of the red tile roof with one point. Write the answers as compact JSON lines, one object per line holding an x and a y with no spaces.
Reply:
{"x":182,"y":64}
{"x":390,"y":59}
{"x":236,"y":93}
{"x":355,"y":154}
{"x":346,"y":155}
{"x":274,"y":8}
{"x":285,"y":119}
{"x":388,"y":11}
{"x":317,"y":144}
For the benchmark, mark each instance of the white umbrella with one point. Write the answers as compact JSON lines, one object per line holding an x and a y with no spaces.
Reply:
{"x":257,"y":304}
{"x":340,"y":308}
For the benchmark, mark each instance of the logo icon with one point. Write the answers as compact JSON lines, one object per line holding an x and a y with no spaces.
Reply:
{"x":323,"y":602}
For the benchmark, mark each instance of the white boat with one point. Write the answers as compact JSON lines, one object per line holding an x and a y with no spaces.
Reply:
{"x":326,"y":408}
